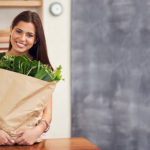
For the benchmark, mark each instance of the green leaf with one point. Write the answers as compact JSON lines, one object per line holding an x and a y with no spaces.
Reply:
{"x":22,"y":64}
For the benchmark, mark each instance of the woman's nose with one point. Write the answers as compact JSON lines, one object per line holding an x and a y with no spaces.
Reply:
{"x":23,"y":37}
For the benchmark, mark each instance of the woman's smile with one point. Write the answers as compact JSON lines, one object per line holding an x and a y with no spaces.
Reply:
{"x":20,"y":45}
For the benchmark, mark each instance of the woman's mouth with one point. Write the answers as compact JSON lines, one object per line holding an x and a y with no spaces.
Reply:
{"x":20,"y":45}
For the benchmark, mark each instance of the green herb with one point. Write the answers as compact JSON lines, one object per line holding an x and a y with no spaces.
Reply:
{"x":22,"y":64}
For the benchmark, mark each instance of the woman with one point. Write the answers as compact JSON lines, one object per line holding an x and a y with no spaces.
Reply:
{"x":27,"y":37}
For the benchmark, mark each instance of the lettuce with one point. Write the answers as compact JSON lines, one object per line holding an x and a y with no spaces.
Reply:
{"x":22,"y":64}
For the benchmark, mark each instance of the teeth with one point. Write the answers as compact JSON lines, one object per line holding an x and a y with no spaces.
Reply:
{"x":20,"y":45}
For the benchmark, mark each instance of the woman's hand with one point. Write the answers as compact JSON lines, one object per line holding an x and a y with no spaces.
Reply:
{"x":5,"y":139}
{"x":28,"y":136}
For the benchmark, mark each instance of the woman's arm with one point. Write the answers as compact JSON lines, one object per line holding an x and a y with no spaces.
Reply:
{"x":47,"y":115}
{"x":29,"y":136}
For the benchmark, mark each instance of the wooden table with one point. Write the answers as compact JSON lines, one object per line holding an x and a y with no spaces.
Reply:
{"x":57,"y":144}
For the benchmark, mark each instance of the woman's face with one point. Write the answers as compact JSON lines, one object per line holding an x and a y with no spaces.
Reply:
{"x":22,"y":37}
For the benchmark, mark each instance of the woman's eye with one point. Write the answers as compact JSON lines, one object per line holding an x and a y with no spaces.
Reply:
{"x":29,"y":35}
{"x":18,"y":31}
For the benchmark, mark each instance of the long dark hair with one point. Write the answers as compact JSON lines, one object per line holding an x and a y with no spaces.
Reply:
{"x":39,"y":50}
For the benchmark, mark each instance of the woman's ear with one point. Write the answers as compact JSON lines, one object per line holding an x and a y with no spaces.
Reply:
{"x":10,"y":28}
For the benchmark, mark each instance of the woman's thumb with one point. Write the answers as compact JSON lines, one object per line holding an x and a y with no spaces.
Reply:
{"x":20,"y":132}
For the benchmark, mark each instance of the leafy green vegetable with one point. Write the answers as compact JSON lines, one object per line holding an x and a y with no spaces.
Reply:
{"x":22,"y":64}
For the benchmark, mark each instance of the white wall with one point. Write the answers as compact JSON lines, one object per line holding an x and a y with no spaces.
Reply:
{"x":57,"y":30}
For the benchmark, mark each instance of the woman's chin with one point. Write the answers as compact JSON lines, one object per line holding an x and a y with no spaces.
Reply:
{"x":20,"y":50}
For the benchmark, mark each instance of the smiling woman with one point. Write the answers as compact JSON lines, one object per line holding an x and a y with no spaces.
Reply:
{"x":27,"y":37}
{"x":28,"y":27}
{"x":22,"y":38}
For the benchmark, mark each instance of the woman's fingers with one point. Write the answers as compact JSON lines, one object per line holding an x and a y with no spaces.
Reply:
{"x":6,"y":142}
{"x":5,"y":139}
{"x":10,"y":141}
{"x":21,"y":142}
{"x":18,"y":134}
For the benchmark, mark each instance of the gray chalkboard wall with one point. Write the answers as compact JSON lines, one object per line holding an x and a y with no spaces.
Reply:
{"x":111,"y":73}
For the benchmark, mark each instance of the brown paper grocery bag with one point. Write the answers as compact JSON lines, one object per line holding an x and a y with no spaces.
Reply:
{"x":22,"y":100}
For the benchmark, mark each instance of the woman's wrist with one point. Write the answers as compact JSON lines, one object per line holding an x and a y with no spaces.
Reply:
{"x":40,"y":128}
{"x":43,"y":125}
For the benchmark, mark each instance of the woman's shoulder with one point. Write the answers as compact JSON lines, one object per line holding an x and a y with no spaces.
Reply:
{"x":2,"y":54}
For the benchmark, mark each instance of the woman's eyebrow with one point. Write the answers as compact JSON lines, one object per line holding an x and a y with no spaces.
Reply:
{"x":30,"y":33}
{"x":19,"y":29}
{"x":27,"y":32}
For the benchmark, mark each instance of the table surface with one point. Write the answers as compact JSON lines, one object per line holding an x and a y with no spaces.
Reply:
{"x":57,"y":144}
